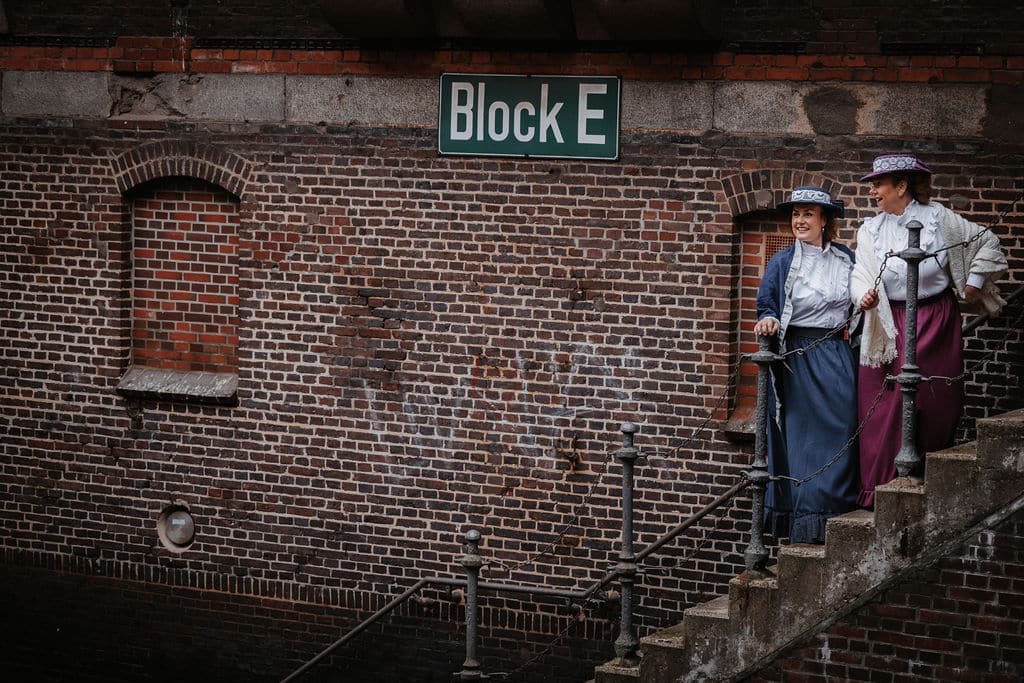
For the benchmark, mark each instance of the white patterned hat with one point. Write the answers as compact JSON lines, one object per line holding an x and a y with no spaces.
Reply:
{"x":811,"y":194}
{"x":896,"y":163}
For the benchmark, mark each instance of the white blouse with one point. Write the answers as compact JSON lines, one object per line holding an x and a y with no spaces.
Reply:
{"x":821,"y":289}
{"x":889,"y":233}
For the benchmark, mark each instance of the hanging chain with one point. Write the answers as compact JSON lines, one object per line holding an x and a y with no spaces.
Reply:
{"x":573,"y":522}
{"x":730,"y":383}
{"x":557,"y":640}
{"x":846,"y":446}
{"x":980,"y":363}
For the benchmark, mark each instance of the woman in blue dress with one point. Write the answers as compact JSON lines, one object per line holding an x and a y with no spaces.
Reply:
{"x":803,"y":297}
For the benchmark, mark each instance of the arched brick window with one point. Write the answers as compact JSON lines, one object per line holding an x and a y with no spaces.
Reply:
{"x":763,"y":231}
{"x":184,"y":276}
{"x":184,"y":205}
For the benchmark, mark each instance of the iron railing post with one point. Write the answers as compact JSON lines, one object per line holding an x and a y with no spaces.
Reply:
{"x":626,"y":568}
{"x":908,"y":459}
{"x":472,"y":562}
{"x":756,"y":555}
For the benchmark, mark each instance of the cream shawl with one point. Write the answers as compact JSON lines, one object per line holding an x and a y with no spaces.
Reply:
{"x":983,"y":256}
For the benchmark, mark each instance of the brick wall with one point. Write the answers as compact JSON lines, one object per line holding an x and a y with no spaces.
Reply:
{"x":424,"y":344}
{"x":69,"y":625}
{"x":959,"y":620}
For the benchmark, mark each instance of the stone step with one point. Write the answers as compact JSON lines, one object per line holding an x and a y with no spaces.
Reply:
{"x":1000,"y":450}
{"x":702,"y":637}
{"x":849,"y":539}
{"x":953,"y":484}
{"x":753,"y":613}
{"x":801,"y":575}
{"x":899,"y":515}
{"x":609,"y":672}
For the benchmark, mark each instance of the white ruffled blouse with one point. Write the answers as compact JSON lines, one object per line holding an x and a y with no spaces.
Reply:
{"x":821,"y":290}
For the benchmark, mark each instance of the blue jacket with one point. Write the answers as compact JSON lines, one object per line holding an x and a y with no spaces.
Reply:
{"x":777,"y":285}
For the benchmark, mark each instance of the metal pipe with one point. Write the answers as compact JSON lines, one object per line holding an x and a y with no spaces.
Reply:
{"x":626,"y":569}
{"x":909,"y":459}
{"x":511,"y":588}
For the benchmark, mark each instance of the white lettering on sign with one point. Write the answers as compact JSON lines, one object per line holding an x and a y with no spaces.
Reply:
{"x":462,"y":112}
{"x":492,"y":121}
{"x":547,"y":118}
{"x":472,"y":118}
{"x":584,"y":115}
{"x":480,"y":111}
{"x":517,"y":121}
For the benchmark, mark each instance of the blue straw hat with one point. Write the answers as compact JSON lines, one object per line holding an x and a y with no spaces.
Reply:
{"x":811,"y":194}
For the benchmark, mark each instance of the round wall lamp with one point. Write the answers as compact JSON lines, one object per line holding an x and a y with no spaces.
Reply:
{"x":176,"y":527}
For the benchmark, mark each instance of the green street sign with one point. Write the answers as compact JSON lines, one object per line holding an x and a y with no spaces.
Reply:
{"x":529,"y":116}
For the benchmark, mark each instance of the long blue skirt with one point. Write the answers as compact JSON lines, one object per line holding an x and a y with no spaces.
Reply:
{"x":818,"y":394}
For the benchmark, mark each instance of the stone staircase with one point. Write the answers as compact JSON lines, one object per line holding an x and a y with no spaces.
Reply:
{"x":914,"y":523}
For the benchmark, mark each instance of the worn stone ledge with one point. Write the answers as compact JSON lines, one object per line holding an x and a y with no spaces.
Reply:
{"x":219,"y":388}
{"x":773,"y":107}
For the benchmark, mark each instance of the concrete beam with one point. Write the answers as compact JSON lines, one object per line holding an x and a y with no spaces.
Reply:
{"x":741,"y":107}
{"x":362,"y":100}
{"x":669,"y":105}
{"x":55,"y":94}
{"x":235,"y":97}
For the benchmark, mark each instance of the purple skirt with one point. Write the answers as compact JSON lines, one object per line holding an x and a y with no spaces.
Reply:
{"x":939,"y":403}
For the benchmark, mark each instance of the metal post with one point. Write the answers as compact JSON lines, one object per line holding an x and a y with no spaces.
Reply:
{"x":626,"y":569}
{"x":756,"y":555}
{"x":908,"y":459}
{"x":472,"y":562}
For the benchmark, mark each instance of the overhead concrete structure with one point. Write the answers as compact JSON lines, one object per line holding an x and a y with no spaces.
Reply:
{"x":528,"y":20}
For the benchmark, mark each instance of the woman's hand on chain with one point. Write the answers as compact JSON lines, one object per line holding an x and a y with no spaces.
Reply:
{"x":869,"y":300}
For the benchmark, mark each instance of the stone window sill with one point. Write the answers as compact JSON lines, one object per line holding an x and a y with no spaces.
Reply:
{"x":218,"y":388}
{"x":741,"y":424}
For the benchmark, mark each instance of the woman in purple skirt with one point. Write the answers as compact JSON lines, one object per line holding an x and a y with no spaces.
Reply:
{"x":901,"y":187}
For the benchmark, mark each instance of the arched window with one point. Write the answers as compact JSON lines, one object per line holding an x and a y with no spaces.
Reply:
{"x":762,"y":232}
{"x":184,"y":291}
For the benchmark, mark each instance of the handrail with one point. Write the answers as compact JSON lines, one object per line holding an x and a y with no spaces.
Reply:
{"x":409,"y":592}
{"x":985,"y":317}
{"x":694,"y":518}
{"x":671,"y":534}
{"x":581,"y":596}
{"x":357,"y":630}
